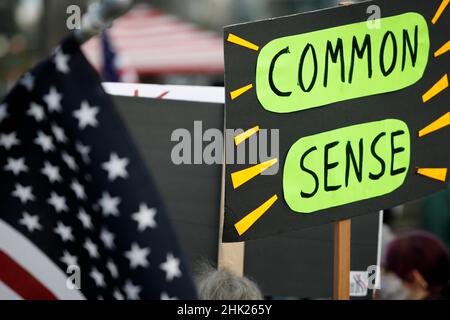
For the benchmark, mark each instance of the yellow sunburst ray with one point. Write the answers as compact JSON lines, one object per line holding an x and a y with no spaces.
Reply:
{"x":440,"y":10}
{"x":437,"y":88}
{"x":433,"y":173}
{"x":445,"y":48}
{"x":236,"y":93}
{"x":245,"y":223}
{"x":245,"y":135}
{"x":242,"y":42}
{"x":436,"y":125}
{"x":238,"y":178}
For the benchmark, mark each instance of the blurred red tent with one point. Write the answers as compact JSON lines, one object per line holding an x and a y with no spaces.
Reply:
{"x":154,"y":43}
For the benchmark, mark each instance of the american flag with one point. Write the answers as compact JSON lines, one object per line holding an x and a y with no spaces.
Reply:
{"x":113,"y":68}
{"x":109,"y":68}
{"x":176,"y":46}
{"x":74,"y":193}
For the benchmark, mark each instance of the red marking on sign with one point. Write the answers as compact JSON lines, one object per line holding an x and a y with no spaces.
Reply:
{"x":162,"y":95}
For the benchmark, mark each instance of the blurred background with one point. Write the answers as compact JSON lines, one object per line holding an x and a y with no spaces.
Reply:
{"x":30,"y":29}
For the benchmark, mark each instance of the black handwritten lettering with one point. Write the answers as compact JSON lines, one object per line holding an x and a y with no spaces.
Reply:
{"x":349,"y":154}
{"x":272,"y":67}
{"x":312,"y":173}
{"x":395,"y":151}
{"x":383,"y":54}
{"x":373,"y":145}
{"x":360,"y":51}
{"x":309,"y":47}
{"x":337,"y":52}
{"x":328,"y":166}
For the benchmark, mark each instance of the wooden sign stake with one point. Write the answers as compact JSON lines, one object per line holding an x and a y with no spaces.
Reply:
{"x":231,"y":255}
{"x":341,"y":264}
{"x":342,"y":238}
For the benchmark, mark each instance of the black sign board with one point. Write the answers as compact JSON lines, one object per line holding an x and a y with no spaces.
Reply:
{"x":357,"y":100}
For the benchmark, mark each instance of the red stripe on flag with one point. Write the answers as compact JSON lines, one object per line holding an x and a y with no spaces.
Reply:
{"x":22,"y":282}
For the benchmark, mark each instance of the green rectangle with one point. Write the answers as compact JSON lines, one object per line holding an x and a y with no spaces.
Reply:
{"x":345,"y":165}
{"x":314,"y":69}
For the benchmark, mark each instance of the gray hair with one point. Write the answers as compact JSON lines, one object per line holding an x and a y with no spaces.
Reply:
{"x":213,"y":284}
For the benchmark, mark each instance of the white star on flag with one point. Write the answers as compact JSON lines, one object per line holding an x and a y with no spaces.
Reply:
{"x":118,"y":295}
{"x":85,"y":219}
{"x":171,"y":267}
{"x":9,"y":140}
{"x":53,"y":100}
{"x":59,"y":134}
{"x":61,"y":61}
{"x":78,"y":189}
{"x":36,"y":111}
{"x":145,"y":217}
{"x":84,"y":151}
{"x":116,"y":167}
{"x":165,"y":296}
{"x":131,"y":291}
{"x":137,"y":256}
{"x":58,"y":202}
{"x":51,"y":172}
{"x":27,"y":81}
{"x":98,"y":277}
{"x":109,"y":204}
{"x":24,"y":193}
{"x":91,"y":248}
{"x":69,"y":259}
{"x":70,"y":161}
{"x":31,"y":222}
{"x":65,"y":232}
{"x":86,"y":115}
{"x":16,"y":166}
{"x":107,"y":238}
{"x":3,"y":112}
{"x":112,"y":269}
{"x":44,"y":141}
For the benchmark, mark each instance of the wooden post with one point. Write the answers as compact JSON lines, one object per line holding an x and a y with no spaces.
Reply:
{"x":230,"y":255}
{"x":231,"y":258}
{"x":342,"y":237}
{"x":341,"y":263}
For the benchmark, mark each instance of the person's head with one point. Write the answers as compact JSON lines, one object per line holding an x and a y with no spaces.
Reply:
{"x":422,"y":262}
{"x":213,"y":284}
